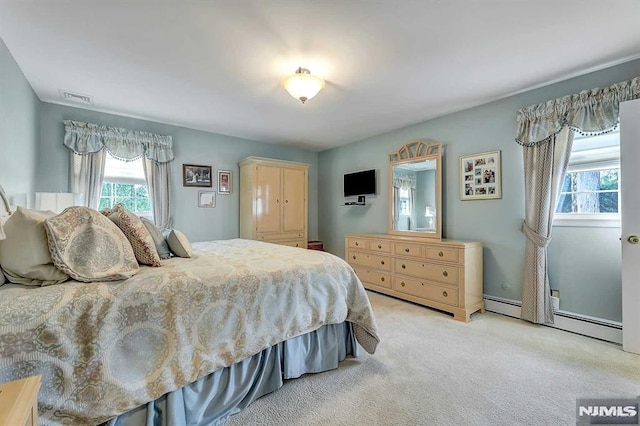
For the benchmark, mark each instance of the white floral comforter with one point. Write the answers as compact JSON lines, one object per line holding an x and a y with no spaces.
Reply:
{"x":104,"y":348}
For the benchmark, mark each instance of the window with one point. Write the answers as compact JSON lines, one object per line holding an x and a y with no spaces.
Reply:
{"x":590,"y":193}
{"x":405,"y":205}
{"x":124,"y":182}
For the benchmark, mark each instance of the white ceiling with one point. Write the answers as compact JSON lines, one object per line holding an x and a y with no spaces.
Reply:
{"x":217,"y":65}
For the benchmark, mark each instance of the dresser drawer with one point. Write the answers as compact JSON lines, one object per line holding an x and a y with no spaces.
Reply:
{"x":428,"y":271}
{"x":405,"y":249}
{"x":374,"y":277}
{"x":278,"y":236}
{"x":370,"y":260}
{"x":426,"y":290}
{"x":380,"y":246}
{"x":357,"y":243}
{"x":446,"y":254}
{"x":292,"y":243}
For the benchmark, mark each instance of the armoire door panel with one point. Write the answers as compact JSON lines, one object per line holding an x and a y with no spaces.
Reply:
{"x":268,"y":199}
{"x":294,"y":189}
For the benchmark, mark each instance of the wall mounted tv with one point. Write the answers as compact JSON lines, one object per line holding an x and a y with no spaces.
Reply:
{"x":360,"y":183}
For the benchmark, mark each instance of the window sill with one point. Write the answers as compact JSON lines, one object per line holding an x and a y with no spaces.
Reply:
{"x":587,"y":221}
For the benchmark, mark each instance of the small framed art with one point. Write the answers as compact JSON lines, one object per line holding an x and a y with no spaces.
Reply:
{"x":480,"y":176}
{"x":206,"y":198}
{"x":224,"y":182}
{"x":195,"y":175}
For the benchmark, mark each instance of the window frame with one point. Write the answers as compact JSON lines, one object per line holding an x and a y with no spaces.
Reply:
{"x":591,"y":220}
{"x":115,"y":180}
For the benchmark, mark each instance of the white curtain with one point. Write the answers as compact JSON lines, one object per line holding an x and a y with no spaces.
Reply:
{"x":87,"y":172}
{"x":89,"y":144}
{"x":158,"y":177}
{"x":546,"y":133}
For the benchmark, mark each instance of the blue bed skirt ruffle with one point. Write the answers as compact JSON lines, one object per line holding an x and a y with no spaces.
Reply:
{"x":213,"y":398}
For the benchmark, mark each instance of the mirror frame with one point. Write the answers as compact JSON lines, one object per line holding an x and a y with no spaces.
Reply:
{"x":413,"y":152}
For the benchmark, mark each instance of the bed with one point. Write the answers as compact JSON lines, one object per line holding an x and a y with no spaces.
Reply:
{"x":207,"y":335}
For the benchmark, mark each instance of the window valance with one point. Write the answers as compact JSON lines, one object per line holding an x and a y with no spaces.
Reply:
{"x":123,"y":144}
{"x":404,"y":181}
{"x":589,"y":112}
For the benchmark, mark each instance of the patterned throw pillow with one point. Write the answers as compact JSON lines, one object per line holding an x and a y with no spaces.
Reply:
{"x":137,"y":234}
{"x":161,"y":244}
{"x":89,"y":247}
{"x":178,"y":243}
{"x":24,"y":254}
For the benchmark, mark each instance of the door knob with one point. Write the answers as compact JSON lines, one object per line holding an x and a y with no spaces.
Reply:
{"x":633,"y":239}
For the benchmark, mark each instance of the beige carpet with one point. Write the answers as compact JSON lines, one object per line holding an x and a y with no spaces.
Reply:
{"x":432,"y":370}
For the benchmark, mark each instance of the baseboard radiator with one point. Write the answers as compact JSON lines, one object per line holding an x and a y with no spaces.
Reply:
{"x":610,"y":331}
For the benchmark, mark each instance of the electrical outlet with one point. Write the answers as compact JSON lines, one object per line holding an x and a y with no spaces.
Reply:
{"x":555,"y":293}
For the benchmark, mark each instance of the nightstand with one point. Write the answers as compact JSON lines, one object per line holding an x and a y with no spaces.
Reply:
{"x":19,"y":402}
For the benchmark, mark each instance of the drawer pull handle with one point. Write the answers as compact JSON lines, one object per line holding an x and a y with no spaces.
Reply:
{"x":445,"y":294}
{"x":379,"y":246}
{"x":445,"y":273}
{"x":404,"y":266}
{"x":356,"y":244}
{"x":441,"y":254}
{"x":407,"y":249}
{"x":382,"y":262}
{"x":382,"y":279}
{"x":402,"y":283}
{"x":297,"y":245}
{"x":354,"y":257}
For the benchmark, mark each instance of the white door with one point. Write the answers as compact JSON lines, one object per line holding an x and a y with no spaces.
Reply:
{"x":630,"y":200}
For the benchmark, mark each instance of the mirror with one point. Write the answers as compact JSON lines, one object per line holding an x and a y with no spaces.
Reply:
{"x":415,"y":188}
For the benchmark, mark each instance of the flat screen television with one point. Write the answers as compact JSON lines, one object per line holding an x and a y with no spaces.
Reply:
{"x":360,"y":183}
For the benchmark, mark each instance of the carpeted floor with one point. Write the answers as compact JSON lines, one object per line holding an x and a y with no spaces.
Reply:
{"x":432,"y":370}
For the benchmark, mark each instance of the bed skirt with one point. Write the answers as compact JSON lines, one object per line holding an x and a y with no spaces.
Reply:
{"x":213,"y":398}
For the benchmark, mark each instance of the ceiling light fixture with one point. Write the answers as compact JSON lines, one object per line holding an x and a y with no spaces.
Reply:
{"x":302,"y":85}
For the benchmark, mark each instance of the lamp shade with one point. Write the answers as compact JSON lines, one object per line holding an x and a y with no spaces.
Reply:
{"x":54,"y":201}
{"x":302,"y":85}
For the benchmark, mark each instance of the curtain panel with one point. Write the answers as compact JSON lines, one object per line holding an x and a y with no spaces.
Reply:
{"x":589,"y":112}
{"x":123,"y":144}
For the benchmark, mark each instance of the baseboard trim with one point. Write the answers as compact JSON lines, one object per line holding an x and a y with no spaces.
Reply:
{"x":610,"y":331}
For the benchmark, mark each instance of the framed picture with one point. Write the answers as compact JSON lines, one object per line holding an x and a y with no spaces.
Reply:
{"x":224,"y":182}
{"x":206,"y":198}
{"x":480,"y":176}
{"x":195,"y":175}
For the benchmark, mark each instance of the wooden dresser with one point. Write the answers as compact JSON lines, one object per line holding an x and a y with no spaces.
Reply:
{"x":19,"y":402}
{"x":273,"y":201}
{"x":442,"y":274}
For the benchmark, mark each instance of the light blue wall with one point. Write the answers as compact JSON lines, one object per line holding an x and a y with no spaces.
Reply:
{"x":190,"y":147}
{"x":579,"y":267}
{"x":19,"y":132}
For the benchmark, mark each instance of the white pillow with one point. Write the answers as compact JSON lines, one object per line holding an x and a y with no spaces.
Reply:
{"x":178,"y":243}
{"x":24,"y":254}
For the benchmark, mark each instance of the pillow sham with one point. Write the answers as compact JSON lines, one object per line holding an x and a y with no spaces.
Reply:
{"x":161,"y":244}
{"x":178,"y":243}
{"x":137,"y":234}
{"x":89,"y":247}
{"x":24,"y":254}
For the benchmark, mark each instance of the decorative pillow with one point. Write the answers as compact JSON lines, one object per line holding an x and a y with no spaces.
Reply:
{"x":161,"y":244}
{"x":178,"y":243}
{"x":89,"y":247}
{"x":140,"y":239}
{"x":24,"y":254}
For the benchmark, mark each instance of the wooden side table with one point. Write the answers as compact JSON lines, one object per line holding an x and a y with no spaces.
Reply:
{"x":19,"y":402}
